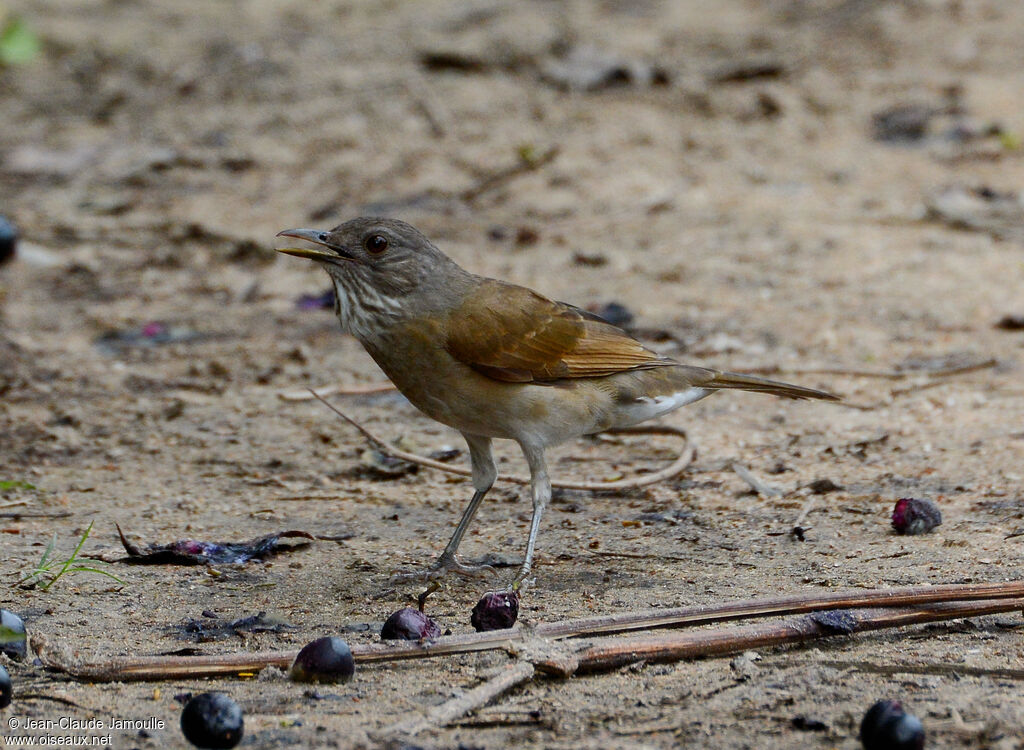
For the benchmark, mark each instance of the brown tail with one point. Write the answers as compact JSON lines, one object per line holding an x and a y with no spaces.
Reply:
{"x":763,"y":385}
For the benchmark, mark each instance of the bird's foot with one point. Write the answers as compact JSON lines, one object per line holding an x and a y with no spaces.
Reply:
{"x":521,"y":581}
{"x":445,"y":564}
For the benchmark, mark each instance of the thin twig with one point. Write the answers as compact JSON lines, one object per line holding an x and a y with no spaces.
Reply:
{"x":179,"y":667}
{"x":886,"y":374}
{"x":808,"y":507}
{"x":673,"y":469}
{"x":898,"y":392}
{"x":501,"y":176}
{"x":915,"y":388}
{"x":54,"y":698}
{"x":761,"y":488}
{"x":458,"y":707}
{"x":16,"y":516}
{"x":857,"y":406}
{"x":798,"y":527}
{"x":420,"y":92}
{"x":636,"y":555}
{"x":946,"y":670}
{"x":308,"y":394}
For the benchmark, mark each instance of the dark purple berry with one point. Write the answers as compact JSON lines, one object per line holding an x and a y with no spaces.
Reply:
{"x":886,"y":726}
{"x":212,"y":720}
{"x":8,"y":240}
{"x":915,"y":516}
{"x":409,"y":624}
{"x":12,"y":635}
{"x":327,"y":659}
{"x":6,"y":687}
{"x":496,"y":610}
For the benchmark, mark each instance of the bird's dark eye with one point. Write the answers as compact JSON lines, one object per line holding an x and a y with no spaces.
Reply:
{"x":375,"y":244}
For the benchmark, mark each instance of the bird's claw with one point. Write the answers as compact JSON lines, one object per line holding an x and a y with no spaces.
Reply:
{"x":445,"y":564}
{"x":520,"y":583}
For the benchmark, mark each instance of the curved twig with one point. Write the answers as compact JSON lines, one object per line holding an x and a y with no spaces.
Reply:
{"x":673,"y":469}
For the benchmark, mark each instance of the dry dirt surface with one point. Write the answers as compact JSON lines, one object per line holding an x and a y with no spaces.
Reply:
{"x":817,"y":188}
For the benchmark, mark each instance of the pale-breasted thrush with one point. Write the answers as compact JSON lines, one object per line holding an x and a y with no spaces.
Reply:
{"x":496,"y":360}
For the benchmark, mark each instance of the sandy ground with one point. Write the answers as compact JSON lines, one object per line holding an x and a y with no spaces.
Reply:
{"x":729,"y":190}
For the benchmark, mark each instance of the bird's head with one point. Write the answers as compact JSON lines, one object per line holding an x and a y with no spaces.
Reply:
{"x":383,"y":270}
{"x":391,"y":257}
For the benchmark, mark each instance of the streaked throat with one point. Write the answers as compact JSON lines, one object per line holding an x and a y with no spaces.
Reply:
{"x":362,"y":309}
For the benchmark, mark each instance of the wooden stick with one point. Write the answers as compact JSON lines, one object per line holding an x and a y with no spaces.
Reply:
{"x":212,"y":665}
{"x":458,"y":707}
{"x":782,"y":605}
{"x":612,"y":653}
{"x":673,"y":469}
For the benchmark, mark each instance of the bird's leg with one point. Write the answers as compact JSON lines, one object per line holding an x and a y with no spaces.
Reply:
{"x":484,"y":474}
{"x":540,"y":487}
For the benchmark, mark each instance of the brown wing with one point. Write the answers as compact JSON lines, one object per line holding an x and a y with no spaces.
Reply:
{"x":513,"y":334}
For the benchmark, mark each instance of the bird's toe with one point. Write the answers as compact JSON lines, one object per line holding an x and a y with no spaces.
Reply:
{"x":445,"y":565}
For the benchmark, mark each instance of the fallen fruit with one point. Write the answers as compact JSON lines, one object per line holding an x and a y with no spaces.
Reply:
{"x":12,"y":635}
{"x":496,"y":610}
{"x":327,"y":659}
{"x":212,"y":720}
{"x":915,"y":516}
{"x":6,"y":687}
{"x":409,"y":624}
{"x":886,"y":726}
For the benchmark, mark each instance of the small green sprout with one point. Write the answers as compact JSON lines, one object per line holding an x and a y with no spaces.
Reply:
{"x":50,"y":570}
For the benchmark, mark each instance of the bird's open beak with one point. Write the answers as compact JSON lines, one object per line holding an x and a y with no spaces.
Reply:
{"x":315,"y":236}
